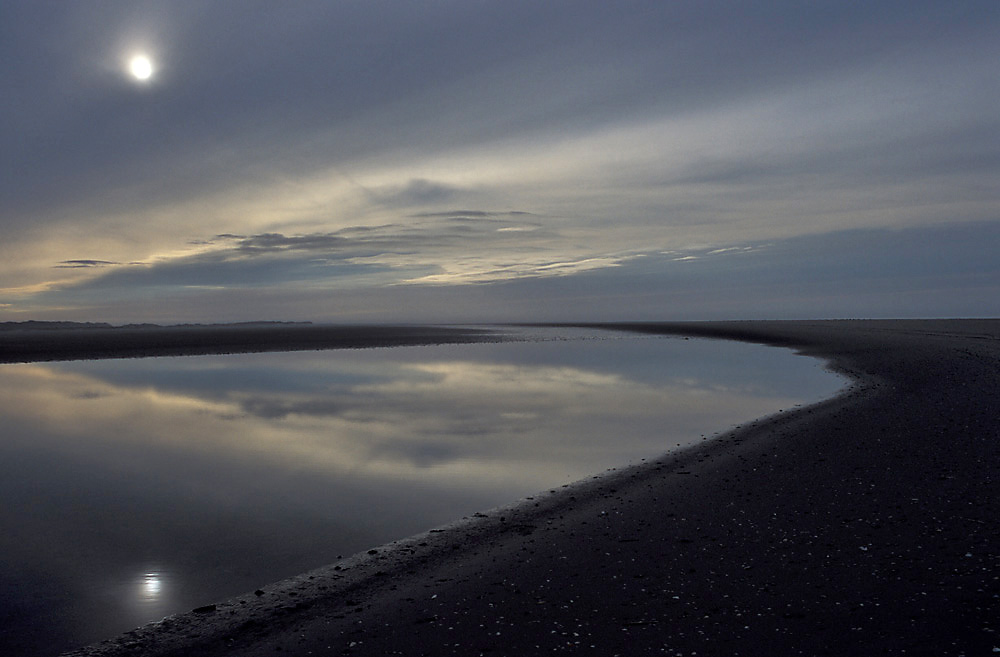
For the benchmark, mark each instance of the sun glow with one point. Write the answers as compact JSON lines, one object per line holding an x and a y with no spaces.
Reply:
{"x":141,"y":67}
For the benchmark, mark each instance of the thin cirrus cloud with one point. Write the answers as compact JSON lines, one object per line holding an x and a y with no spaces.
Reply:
{"x":928,"y":271}
{"x":84,"y":264}
{"x":625,"y":130}
{"x":457,"y":246}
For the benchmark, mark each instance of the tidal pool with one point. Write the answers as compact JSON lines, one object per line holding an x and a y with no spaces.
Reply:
{"x":135,"y":489}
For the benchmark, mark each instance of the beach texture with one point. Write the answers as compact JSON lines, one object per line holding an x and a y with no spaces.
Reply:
{"x":862,"y":525}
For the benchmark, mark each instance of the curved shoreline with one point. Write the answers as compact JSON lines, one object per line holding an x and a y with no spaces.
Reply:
{"x":861,"y":523}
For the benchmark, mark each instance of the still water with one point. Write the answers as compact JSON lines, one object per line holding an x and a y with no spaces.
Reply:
{"x":134,"y":489}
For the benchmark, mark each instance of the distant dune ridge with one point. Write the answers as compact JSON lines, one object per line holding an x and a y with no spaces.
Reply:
{"x":864,"y":524}
{"x":36,"y":325}
{"x":52,"y":341}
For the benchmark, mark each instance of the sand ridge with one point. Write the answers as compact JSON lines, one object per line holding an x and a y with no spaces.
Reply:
{"x":864,"y":524}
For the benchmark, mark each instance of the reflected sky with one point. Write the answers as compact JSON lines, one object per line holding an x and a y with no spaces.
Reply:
{"x":139,"y":488}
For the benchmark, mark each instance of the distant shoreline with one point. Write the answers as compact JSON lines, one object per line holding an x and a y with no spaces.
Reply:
{"x":861,"y":524}
{"x":56,"y":325}
{"x":38,"y":343}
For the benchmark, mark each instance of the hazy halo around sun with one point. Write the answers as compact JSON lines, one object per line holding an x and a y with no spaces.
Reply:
{"x":140,"y":67}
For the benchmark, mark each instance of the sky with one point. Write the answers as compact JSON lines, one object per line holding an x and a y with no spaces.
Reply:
{"x":488,"y":161}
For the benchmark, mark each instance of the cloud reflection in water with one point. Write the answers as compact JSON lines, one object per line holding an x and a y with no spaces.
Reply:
{"x":232,"y":471}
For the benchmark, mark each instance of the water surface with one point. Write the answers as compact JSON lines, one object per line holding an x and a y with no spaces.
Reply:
{"x":139,"y":488}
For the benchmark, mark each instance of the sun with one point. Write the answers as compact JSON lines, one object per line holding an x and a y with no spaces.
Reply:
{"x":141,"y":67}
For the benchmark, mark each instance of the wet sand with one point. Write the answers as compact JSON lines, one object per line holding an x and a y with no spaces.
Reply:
{"x":865,"y":524}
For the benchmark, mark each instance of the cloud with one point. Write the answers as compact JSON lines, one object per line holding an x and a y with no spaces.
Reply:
{"x":276,"y":242}
{"x":864,"y":272}
{"x":416,"y":192}
{"x":470,"y":214}
{"x":625,"y":130}
{"x":472,"y":75}
{"x":83,"y":264}
{"x":446,"y":247}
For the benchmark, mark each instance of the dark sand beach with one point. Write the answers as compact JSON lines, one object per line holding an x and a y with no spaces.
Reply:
{"x":865,"y":524}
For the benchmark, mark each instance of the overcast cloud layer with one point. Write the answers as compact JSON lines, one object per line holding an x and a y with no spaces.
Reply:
{"x":394,"y":161}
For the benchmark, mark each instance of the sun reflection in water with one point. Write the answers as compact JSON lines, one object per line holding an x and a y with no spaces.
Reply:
{"x":149,"y":592}
{"x":151,"y":586}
